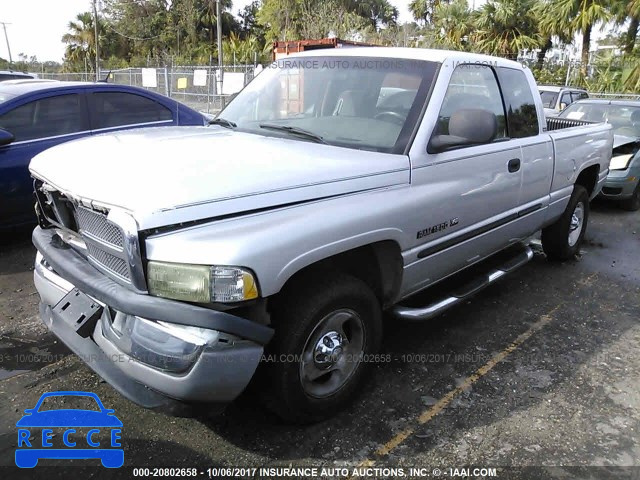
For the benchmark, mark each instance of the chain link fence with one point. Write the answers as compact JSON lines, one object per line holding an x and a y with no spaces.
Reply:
{"x":203,"y":88}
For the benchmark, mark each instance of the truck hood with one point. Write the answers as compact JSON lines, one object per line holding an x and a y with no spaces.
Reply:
{"x":169,"y":175}
{"x":620,"y":140}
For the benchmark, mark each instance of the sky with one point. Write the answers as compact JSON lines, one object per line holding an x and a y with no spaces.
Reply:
{"x":36,"y":26}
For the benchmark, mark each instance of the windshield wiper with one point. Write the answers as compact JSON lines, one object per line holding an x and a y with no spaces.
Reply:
{"x":223,"y":122}
{"x":295,"y":131}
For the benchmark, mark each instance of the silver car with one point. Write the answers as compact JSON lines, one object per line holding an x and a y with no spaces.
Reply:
{"x":623,"y":181}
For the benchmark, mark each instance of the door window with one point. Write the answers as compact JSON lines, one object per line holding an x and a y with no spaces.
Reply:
{"x":115,"y":109}
{"x":47,"y":117}
{"x":575,"y":96}
{"x":472,"y":86}
{"x":522,"y":117}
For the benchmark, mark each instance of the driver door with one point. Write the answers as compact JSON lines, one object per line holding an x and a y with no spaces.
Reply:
{"x":467,"y":197}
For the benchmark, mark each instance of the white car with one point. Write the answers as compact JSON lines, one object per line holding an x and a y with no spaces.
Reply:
{"x":555,"y":99}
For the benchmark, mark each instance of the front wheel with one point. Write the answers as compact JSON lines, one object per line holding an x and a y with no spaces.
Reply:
{"x":326,"y":328}
{"x":562,"y":240}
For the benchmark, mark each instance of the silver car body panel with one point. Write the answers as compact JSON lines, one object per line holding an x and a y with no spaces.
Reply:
{"x":206,"y":179}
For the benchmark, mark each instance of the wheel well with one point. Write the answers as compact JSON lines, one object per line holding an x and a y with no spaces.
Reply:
{"x":588,"y":178}
{"x":379,"y":265}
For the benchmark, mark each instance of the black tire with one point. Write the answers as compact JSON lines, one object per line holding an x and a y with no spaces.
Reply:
{"x":632,"y":204}
{"x":297,"y":314}
{"x":555,"y":237}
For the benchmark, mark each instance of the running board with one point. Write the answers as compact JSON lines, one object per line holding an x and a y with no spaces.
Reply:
{"x":457,"y":295}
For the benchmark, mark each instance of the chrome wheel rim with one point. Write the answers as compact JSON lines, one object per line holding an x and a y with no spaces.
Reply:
{"x":332,"y":353}
{"x":576,"y":224}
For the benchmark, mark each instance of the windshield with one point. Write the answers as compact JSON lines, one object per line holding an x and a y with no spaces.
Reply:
{"x":625,"y":119}
{"x":366,"y":103}
{"x":548,"y":99}
{"x":4,"y":97}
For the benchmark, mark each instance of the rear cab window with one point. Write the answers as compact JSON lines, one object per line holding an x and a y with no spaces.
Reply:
{"x":522,"y":116}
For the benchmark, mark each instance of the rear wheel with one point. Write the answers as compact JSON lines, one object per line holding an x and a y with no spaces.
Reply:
{"x":325,"y":330}
{"x":561,"y":240}
{"x":632,"y":204}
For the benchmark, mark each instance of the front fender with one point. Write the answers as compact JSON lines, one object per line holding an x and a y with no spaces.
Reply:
{"x":278,"y":243}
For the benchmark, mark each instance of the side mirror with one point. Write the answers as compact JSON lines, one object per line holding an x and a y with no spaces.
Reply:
{"x":6,"y":137}
{"x":469,"y":126}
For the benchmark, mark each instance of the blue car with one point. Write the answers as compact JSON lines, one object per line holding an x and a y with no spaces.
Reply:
{"x":32,"y":447}
{"x":38,"y":114}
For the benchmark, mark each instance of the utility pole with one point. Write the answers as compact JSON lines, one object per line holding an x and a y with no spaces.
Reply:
{"x":97,"y":40}
{"x":219,"y":25}
{"x":6,"y":37}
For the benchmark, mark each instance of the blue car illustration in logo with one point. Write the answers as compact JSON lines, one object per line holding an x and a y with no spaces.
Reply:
{"x":77,"y":445}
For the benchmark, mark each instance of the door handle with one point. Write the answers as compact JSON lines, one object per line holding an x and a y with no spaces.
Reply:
{"x":513,"y":165}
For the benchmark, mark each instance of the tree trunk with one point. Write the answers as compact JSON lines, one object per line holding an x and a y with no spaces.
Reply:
{"x":586,"y":43}
{"x":543,"y":52}
{"x":632,"y":33}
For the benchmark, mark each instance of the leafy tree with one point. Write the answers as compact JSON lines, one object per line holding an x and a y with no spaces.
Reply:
{"x":379,"y":12}
{"x":505,"y":27}
{"x":424,"y":10}
{"x":298,"y":19}
{"x":580,"y":16}
{"x":453,"y":25}
{"x":161,"y":30}
{"x":245,"y":50}
{"x":280,"y":19}
{"x":549,"y":26}
{"x":80,"y":52}
{"x":329,"y":17}
{"x":249,"y":24}
{"x":622,"y":12}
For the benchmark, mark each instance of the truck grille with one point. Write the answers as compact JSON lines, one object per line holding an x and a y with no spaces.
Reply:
{"x":115,"y":265}
{"x":105,"y":242}
{"x":96,"y":225}
{"x":108,"y":240}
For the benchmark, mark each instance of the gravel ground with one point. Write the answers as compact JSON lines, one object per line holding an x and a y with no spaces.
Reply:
{"x":541,"y":370}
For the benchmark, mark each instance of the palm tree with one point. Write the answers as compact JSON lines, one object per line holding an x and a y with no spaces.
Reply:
{"x":424,"y":10}
{"x":81,"y":45}
{"x":623,"y":11}
{"x":505,"y":27}
{"x":378,"y":12}
{"x":580,"y":16}
{"x":453,"y":24}
{"x":549,"y":26}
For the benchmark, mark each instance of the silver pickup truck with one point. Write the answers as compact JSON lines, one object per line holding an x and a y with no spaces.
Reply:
{"x":181,"y":262}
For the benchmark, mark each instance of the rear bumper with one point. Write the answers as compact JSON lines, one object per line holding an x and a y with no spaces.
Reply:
{"x":217,"y":372}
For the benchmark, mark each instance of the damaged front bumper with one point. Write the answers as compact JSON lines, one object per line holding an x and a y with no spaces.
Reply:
{"x":156,"y":352}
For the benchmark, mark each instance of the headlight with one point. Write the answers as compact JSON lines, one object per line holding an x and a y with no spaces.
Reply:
{"x":200,"y":283}
{"x":620,"y":162}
